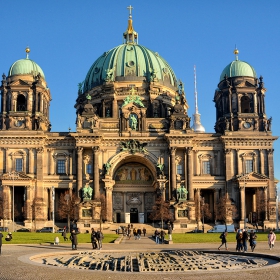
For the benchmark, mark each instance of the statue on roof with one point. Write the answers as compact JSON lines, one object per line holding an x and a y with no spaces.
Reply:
{"x":109,"y":75}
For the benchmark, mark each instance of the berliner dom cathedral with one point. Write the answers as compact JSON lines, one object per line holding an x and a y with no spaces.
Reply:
{"x":135,"y":142}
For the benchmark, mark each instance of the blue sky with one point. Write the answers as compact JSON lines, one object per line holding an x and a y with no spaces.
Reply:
{"x":66,"y":37}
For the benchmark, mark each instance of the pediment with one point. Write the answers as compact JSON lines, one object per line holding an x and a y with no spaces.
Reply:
{"x":130,"y":105}
{"x":17,"y":176}
{"x":19,"y":82}
{"x":251,"y":177}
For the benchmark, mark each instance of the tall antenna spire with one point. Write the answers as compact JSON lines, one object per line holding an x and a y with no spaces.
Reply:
{"x":195,"y":91}
{"x":197,"y":126}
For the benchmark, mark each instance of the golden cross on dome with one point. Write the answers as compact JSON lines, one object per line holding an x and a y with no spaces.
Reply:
{"x":130,"y":9}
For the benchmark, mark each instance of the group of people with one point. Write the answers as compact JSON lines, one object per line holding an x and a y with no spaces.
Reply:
{"x":242,"y":238}
{"x":96,"y":239}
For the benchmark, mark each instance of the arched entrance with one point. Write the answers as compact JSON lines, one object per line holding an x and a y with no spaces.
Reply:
{"x":133,"y":192}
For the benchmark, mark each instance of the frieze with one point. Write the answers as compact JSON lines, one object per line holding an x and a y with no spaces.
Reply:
{"x":157,"y":126}
{"x":133,"y":146}
{"x":109,"y":125}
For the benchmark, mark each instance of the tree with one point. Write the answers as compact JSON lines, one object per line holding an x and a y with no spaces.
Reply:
{"x":103,"y":209}
{"x":202,"y":211}
{"x":4,"y":206}
{"x":260,"y":203}
{"x":67,"y":207}
{"x":160,"y":211}
{"x":225,"y":211}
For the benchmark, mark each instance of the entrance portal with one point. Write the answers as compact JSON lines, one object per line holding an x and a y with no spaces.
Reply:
{"x":133,"y":215}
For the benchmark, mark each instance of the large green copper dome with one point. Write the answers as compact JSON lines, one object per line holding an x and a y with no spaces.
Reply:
{"x":25,"y":66}
{"x":129,"y":62}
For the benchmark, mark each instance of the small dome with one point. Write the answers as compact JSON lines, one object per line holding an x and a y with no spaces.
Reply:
{"x":238,"y":68}
{"x":25,"y":66}
{"x":129,"y":62}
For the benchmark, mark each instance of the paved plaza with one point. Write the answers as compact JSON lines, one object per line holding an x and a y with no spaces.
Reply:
{"x":15,"y":262}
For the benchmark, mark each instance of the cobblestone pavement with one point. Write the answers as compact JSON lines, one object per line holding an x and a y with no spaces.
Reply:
{"x":15,"y":262}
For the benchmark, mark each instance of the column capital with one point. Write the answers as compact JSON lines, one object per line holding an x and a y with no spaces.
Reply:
{"x":96,"y":149}
{"x":172,"y":150}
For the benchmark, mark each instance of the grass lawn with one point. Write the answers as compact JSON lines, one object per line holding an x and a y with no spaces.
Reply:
{"x":38,"y":237}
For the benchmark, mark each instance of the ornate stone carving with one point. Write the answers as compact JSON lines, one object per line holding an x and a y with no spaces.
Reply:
{"x":133,"y":146}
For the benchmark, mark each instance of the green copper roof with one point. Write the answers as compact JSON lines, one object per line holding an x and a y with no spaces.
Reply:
{"x":129,"y":62}
{"x":25,"y":66}
{"x":238,"y":68}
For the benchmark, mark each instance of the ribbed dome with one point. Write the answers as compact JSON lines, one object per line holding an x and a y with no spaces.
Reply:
{"x":25,"y":66}
{"x":129,"y":62}
{"x":238,"y":68}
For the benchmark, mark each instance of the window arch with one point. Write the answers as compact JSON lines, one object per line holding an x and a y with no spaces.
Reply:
{"x":247,"y":104}
{"x":19,"y":161}
{"x":21,"y":103}
{"x":248,"y":162}
{"x":205,"y":164}
{"x":61,"y":166}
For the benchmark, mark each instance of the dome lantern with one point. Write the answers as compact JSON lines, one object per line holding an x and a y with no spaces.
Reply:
{"x":130,"y":36}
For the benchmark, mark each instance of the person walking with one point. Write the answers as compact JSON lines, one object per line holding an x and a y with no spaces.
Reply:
{"x":239,"y":242}
{"x":93,"y":239}
{"x":223,"y":237}
{"x":139,"y":232}
{"x":64,"y":234}
{"x":1,"y":236}
{"x":162,"y":235}
{"x":157,"y":234}
{"x":56,"y":240}
{"x":244,"y":240}
{"x":170,"y":232}
{"x":144,"y":231}
{"x":74,"y":239}
{"x":135,"y":233}
{"x":99,"y":237}
{"x":253,"y":241}
{"x":271,"y":239}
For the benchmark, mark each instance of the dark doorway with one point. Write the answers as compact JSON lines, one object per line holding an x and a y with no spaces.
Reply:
{"x":19,"y":204}
{"x":118,"y":216}
{"x":133,"y":215}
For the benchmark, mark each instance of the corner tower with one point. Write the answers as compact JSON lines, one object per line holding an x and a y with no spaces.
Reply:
{"x":239,"y":99}
{"x":25,"y":97}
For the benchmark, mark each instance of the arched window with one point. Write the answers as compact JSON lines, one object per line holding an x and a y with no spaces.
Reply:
{"x":247,"y":104}
{"x":21,"y":104}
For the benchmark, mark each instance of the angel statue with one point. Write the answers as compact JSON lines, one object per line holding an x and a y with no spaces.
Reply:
{"x":107,"y":167}
{"x":160,"y":166}
{"x":87,"y":192}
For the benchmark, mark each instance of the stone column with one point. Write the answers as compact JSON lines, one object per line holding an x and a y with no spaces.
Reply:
{"x":115,"y":109}
{"x":242,"y":202}
{"x":70,"y":164}
{"x":74,"y":171}
{"x":173,"y":169}
{"x":260,"y":162}
{"x":190,"y":173}
{"x":7,"y":169}
{"x":30,"y":161}
{"x":109,"y":205}
{"x":270,"y":165}
{"x":96,"y":151}
{"x":186,"y":171}
{"x":265,"y":203}
{"x":228,"y":167}
{"x":80,"y":169}
{"x":2,"y":167}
